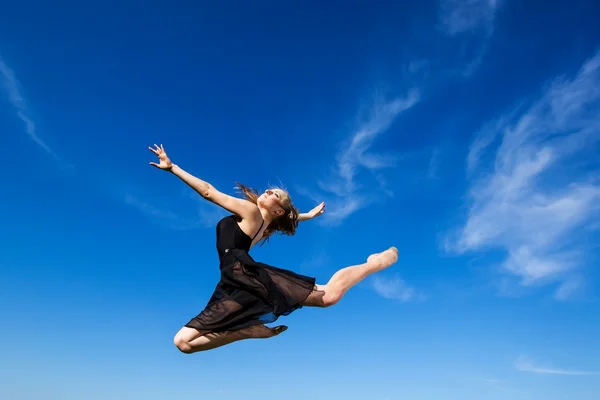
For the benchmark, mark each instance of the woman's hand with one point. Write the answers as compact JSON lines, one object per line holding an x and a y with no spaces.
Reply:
{"x":318,"y":210}
{"x":164,"y":162}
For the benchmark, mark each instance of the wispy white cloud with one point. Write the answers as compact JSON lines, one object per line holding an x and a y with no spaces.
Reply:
{"x":568,"y":288}
{"x":474,"y":17}
{"x":356,"y":155}
{"x":393,"y":288}
{"x":459,"y":16}
{"x":316,"y":261}
{"x":525,"y":364}
{"x":534,"y":193}
{"x":418,"y":68}
{"x":167,"y":217}
{"x":203,"y":215}
{"x":484,"y":138}
{"x":209,"y":214}
{"x":434,"y":164}
{"x":355,"y":152}
{"x":12,"y":88}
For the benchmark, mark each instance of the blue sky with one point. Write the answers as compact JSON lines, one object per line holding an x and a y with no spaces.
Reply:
{"x":464,"y":133}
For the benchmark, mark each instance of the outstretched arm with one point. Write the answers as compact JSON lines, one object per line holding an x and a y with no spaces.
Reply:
{"x":315,"y":212}
{"x":235,"y":205}
{"x":304,"y":217}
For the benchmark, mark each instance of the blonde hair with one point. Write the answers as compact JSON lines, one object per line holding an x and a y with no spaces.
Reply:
{"x":285,"y":224}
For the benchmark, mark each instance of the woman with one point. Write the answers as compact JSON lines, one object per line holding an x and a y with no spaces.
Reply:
{"x":249,"y":293}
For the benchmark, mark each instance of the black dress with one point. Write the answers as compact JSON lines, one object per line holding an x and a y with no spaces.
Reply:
{"x":249,"y":292}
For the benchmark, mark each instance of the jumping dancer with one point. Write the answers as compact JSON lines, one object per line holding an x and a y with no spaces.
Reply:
{"x":250,"y":293}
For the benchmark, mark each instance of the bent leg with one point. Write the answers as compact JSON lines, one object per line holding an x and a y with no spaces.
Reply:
{"x":329,"y":294}
{"x":189,"y":340}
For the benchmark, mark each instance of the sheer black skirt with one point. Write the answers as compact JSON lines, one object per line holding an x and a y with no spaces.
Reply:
{"x":251,"y":293}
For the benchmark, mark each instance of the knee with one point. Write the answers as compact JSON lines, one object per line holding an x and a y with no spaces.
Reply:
{"x":331,"y":298}
{"x":182,"y":344}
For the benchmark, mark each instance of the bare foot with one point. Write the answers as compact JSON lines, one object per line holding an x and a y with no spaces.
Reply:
{"x":372,"y":257}
{"x":262,"y":331}
{"x":382,"y":260}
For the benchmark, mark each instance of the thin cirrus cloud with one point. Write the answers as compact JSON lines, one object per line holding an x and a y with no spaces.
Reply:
{"x":534,"y":184}
{"x":525,"y":364}
{"x":355,"y":155}
{"x":459,"y":16}
{"x":197,"y":214}
{"x":168,"y":218}
{"x":475,"y":17}
{"x":393,"y":288}
{"x":12,"y":89}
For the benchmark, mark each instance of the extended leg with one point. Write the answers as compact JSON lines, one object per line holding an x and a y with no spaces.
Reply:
{"x":329,"y":294}
{"x":190,"y":340}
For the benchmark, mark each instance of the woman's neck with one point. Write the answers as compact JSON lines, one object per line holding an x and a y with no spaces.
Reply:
{"x":266,"y":216}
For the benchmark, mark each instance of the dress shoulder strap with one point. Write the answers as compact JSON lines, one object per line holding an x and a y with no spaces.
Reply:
{"x":257,"y":232}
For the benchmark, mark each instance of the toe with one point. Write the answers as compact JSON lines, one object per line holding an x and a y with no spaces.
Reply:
{"x":279,"y":329}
